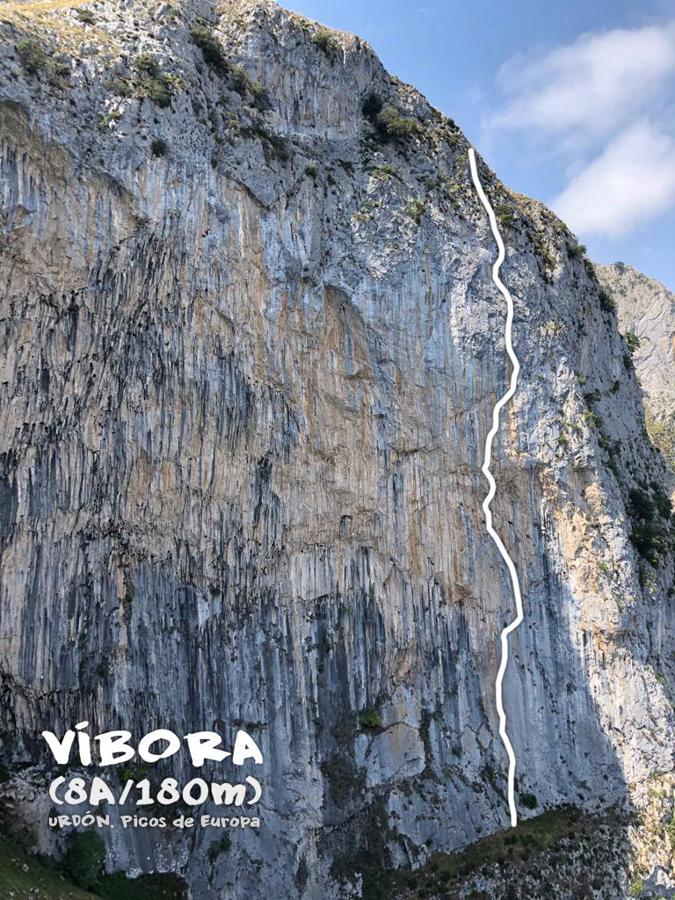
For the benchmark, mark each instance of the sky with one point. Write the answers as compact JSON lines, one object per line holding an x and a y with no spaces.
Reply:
{"x":569,"y":101}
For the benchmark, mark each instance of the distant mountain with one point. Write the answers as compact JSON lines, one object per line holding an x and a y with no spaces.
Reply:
{"x":646,"y":308}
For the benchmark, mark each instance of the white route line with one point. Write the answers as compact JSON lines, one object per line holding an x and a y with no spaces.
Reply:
{"x":504,"y":638}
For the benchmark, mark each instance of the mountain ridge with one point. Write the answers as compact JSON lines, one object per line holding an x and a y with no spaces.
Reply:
{"x":646,"y":309}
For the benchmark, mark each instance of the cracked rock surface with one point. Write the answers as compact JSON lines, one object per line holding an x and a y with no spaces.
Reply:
{"x":251,"y":348}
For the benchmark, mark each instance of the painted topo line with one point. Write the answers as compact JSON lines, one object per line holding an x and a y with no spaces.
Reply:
{"x":504,"y":638}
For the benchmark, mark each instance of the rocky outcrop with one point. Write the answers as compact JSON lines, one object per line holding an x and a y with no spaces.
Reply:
{"x":646,"y":309}
{"x":252,"y":348}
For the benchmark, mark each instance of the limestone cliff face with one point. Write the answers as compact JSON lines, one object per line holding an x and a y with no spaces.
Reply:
{"x":250,"y":352}
{"x":646,"y":308}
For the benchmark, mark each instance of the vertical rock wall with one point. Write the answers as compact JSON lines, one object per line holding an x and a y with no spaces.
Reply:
{"x":245,"y":392}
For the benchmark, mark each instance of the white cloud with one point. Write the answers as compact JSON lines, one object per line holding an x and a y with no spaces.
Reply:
{"x":632,"y":181}
{"x":594,"y":84}
{"x":599,"y":111}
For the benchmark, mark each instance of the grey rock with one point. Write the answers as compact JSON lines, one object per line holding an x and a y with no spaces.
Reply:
{"x":245,"y":390}
{"x":646,"y":308}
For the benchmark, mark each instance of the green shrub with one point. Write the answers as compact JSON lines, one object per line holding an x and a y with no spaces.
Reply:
{"x":260,"y":97}
{"x":220,"y":846}
{"x":504,"y":214}
{"x":247,"y":87}
{"x":384,"y":172}
{"x":606,"y":300}
{"x":640,"y":504}
{"x":662,"y":434}
{"x":240,"y":81}
{"x":326,"y":41}
{"x":662,"y":501}
{"x":544,"y":253}
{"x":158,"y":90}
{"x":647,"y":532}
{"x":670,"y":831}
{"x":576,"y":251}
{"x":109,"y":119}
{"x":120,"y":86}
{"x":590,"y":270}
{"x":212,"y":50}
{"x":416,"y":209}
{"x":60,"y":68}
{"x":529,"y":801}
{"x":85,"y":16}
{"x":147,"y":64}
{"x":345,"y":781}
{"x":632,"y":341}
{"x":311,"y":171}
{"x":613,"y":468}
{"x":158,"y":147}
{"x":370,"y":719}
{"x":84,"y":858}
{"x":151,"y":81}
{"x":388,"y":121}
{"x":391,"y":123}
{"x":592,"y":419}
{"x":134,"y":770}
{"x":31,"y":56}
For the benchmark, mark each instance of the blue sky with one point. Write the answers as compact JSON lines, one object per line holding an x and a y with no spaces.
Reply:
{"x":570,"y":101}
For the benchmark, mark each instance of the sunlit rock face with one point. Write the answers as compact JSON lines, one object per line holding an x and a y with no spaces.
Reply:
{"x":251,"y":350}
